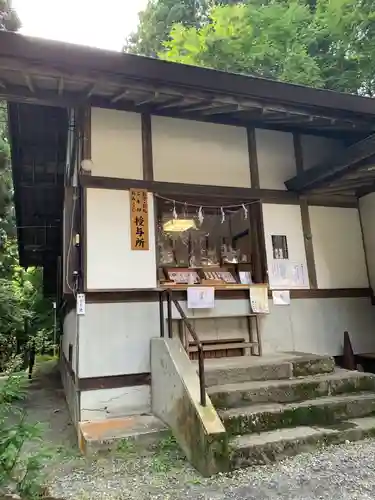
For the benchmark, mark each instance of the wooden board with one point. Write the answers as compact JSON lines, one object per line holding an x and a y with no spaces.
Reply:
{"x":139,"y":219}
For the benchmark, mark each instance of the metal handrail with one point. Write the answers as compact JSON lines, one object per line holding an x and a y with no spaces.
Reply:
{"x":189,"y":326}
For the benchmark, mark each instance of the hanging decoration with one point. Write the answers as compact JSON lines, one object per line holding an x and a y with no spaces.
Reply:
{"x":200,"y":215}
{"x":222,"y":215}
{"x":174,"y":212}
{"x":245,"y":211}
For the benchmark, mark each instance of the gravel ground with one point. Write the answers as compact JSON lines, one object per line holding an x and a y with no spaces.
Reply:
{"x":344,"y":472}
{"x":341,"y":472}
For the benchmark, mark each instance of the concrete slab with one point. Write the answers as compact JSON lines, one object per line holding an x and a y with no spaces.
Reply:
{"x":265,"y":447}
{"x":292,"y":390}
{"x":106,"y":434}
{"x":321,"y":411}
{"x":278,"y":366}
{"x":279,"y":435}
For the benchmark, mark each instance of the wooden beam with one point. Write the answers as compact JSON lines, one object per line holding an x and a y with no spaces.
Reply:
{"x":308,"y":241}
{"x":60,"y":88}
{"x":120,"y":96}
{"x":201,"y":107}
{"x":147,"y":100}
{"x":305,"y":217}
{"x":147,"y":157}
{"x":86,"y":126}
{"x":29,"y":83}
{"x":114,"y":381}
{"x":298,"y":152}
{"x":344,"y":186}
{"x":90,"y":90}
{"x":253,"y":158}
{"x":343,"y":162}
{"x":225,"y":108}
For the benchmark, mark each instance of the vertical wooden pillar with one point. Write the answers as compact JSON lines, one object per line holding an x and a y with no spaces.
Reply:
{"x":258,"y":244}
{"x":305,"y":217}
{"x":148,"y":167}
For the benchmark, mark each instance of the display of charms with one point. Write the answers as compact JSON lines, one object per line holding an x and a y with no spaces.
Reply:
{"x":225,"y":276}
{"x":183,"y":276}
{"x":210,"y":259}
{"x":229,"y":254}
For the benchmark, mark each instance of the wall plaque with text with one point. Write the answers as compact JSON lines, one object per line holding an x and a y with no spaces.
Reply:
{"x":139,"y":219}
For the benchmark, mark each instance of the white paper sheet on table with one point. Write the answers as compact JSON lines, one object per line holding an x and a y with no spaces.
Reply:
{"x":259,"y":299}
{"x":281,"y":297}
{"x":201,"y":297}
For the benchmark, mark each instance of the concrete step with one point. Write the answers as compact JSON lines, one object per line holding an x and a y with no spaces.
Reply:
{"x":221,"y":371}
{"x":144,"y":431}
{"x":292,"y":390}
{"x":321,"y":411}
{"x":274,"y":445}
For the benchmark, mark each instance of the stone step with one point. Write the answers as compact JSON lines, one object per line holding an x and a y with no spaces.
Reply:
{"x":221,"y":371}
{"x":144,"y":431}
{"x":274,"y":445}
{"x":292,"y":390}
{"x":321,"y":411}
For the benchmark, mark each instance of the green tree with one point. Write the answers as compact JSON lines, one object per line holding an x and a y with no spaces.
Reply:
{"x":156,"y":21}
{"x":327,"y":43}
{"x":9,"y":19}
{"x":271,"y":40}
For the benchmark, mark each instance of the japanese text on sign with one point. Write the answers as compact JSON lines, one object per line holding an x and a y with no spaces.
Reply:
{"x":139,"y":219}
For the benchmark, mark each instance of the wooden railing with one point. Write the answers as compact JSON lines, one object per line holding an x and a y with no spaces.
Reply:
{"x":168,"y":294}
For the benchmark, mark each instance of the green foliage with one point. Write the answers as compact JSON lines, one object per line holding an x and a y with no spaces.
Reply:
{"x":21,"y":290}
{"x":271,"y":40}
{"x":9,"y":19}
{"x":322,"y":43}
{"x":158,"y":18}
{"x":18,"y":472}
{"x":156,"y":21}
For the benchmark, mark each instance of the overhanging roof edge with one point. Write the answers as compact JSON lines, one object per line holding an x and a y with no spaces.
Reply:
{"x":78,"y":58}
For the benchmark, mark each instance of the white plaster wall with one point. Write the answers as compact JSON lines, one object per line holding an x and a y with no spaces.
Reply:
{"x":115,"y":338}
{"x":338,"y":247}
{"x":194,"y":152}
{"x":308,"y":325}
{"x":116,"y":144}
{"x":101,"y":404}
{"x":276,"y":160}
{"x":316,"y":150}
{"x":107,"y":347}
{"x":111,"y":264}
{"x":285,"y":220}
{"x":367,"y":211}
{"x":70,"y":336}
{"x":317,"y":326}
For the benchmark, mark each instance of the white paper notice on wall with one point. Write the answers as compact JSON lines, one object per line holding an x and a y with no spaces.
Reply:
{"x":201,"y":297}
{"x":281,"y":297}
{"x":259,"y":299}
{"x":81,"y":304}
{"x":284,"y":273}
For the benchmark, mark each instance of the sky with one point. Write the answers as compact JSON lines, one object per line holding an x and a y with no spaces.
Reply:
{"x":77,"y":21}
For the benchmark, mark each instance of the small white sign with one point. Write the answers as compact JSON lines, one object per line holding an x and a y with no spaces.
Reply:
{"x":81,"y":304}
{"x":201,"y":297}
{"x":281,"y":297}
